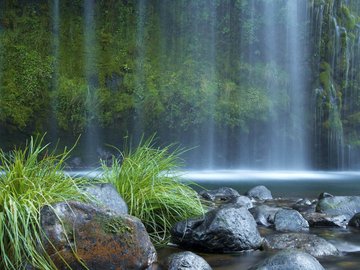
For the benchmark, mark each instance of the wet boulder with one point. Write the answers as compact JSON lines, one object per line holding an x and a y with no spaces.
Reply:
{"x":102,"y":240}
{"x":290,"y":221}
{"x":106,"y":195}
{"x":264,"y":214}
{"x":220,"y":195}
{"x":312,"y":244}
{"x":225,"y":229}
{"x":242,"y":201}
{"x":187,"y":261}
{"x":339,"y":205}
{"x":259,"y":193}
{"x":289,"y":259}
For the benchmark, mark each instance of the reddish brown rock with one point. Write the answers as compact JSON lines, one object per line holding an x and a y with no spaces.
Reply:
{"x":99,"y":239}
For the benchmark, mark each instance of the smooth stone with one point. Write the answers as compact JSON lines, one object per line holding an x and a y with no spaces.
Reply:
{"x":290,"y":260}
{"x":264,"y":215}
{"x":106,"y":195}
{"x":290,"y":221}
{"x":242,"y":201}
{"x":225,"y":229}
{"x":187,"y":261}
{"x":310,"y":243}
{"x":259,"y":193}
{"x":102,"y":240}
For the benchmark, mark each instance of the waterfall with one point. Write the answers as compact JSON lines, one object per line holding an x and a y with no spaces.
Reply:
{"x":55,"y":52}
{"x":92,"y":136}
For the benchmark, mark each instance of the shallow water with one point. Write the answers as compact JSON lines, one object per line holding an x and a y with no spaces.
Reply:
{"x":295,"y":184}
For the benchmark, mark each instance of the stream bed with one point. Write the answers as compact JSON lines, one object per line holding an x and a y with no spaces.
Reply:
{"x":284,"y":184}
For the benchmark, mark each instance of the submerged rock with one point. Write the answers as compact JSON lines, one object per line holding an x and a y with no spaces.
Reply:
{"x":223,"y":194}
{"x":107,"y":196}
{"x":290,"y":221}
{"x":101,"y":240}
{"x":264,"y":215}
{"x":259,"y":193}
{"x":187,"y":261}
{"x":312,"y":244}
{"x":289,"y":260}
{"x":339,"y":205}
{"x":225,"y":229}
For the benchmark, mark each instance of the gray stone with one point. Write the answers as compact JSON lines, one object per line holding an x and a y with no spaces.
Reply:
{"x":339,"y":205}
{"x":223,"y":194}
{"x":102,"y":240}
{"x":225,"y":229}
{"x":312,"y":244}
{"x":289,"y":260}
{"x":290,"y":221}
{"x":242,"y":201}
{"x":187,"y":261}
{"x":264,"y":215}
{"x":106,"y":195}
{"x":259,"y":193}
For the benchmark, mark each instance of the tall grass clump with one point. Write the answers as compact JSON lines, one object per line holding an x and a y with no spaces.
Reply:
{"x":30,"y":178}
{"x":147,"y":180}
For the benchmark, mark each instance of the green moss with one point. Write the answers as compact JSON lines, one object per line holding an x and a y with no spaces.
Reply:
{"x":115,"y":225}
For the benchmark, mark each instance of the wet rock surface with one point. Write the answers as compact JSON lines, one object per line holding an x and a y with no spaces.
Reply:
{"x":226,"y":229}
{"x":259,"y":193}
{"x":187,"y":261}
{"x":310,"y":243}
{"x":106,"y":196}
{"x":289,"y":260}
{"x":287,"y":220}
{"x":102,"y":241}
{"x":316,"y":219}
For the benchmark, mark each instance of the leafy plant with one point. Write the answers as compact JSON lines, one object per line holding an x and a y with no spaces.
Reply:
{"x":147,"y":180}
{"x":29,"y":179}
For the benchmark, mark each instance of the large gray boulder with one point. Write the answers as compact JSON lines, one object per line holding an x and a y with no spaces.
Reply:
{"x":106,"y":195}
{"x":187,"y":261}
{"x":259,"y":193}
{"x":289,"y":260}
{"x":290,"y":221}
{"x":264,"y":214}
{"x":225,"y":229}
{"x":310,"y":243}
{"x":102,"y":240}
{"x":339,"y":205}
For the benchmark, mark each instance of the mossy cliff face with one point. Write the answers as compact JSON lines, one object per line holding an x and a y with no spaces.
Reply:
{"x":178,"y":68}
{"x":335,"y":60}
